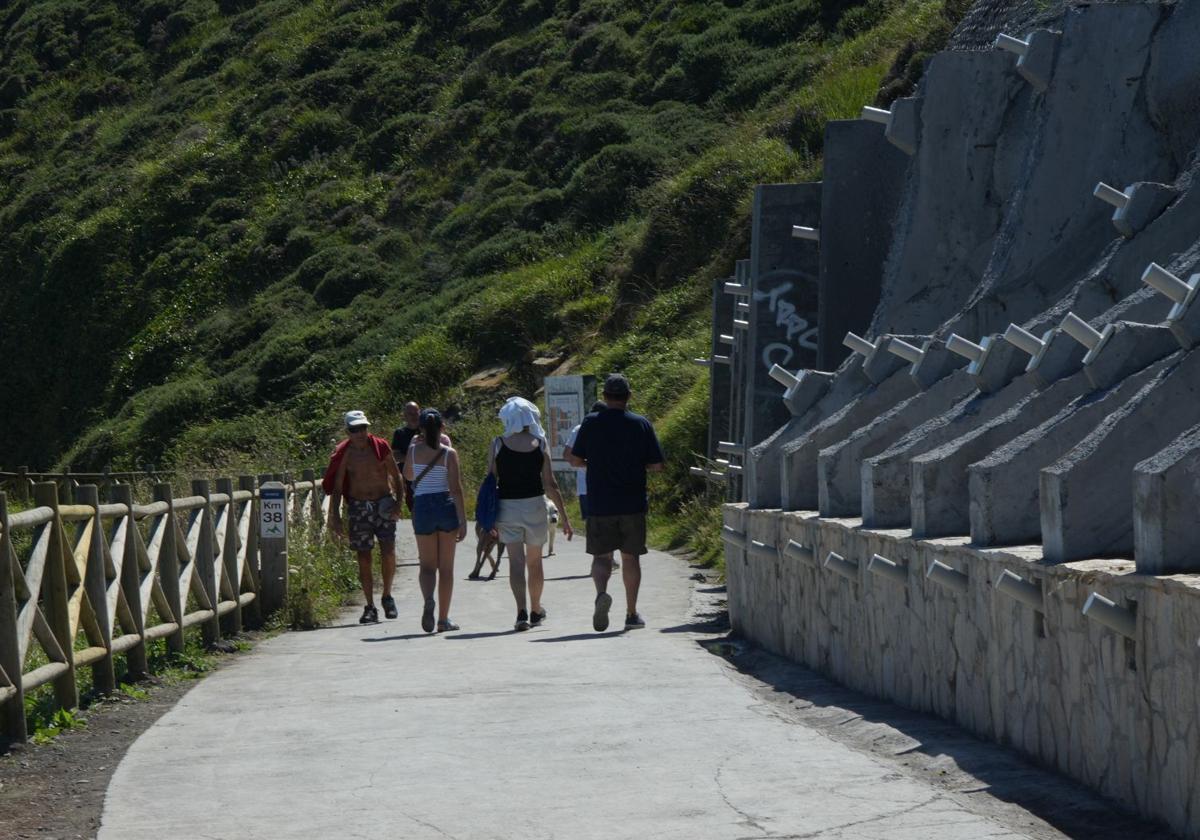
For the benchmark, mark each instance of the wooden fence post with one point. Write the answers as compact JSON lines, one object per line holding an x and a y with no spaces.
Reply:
{"x":23,"y":484}
{"x":232,"y":623}
{"x":136,"y":665}
{"x":54,"y":592}
{"x":95,"y":585}
{"x":250,"y":551}
{"x":168,"y":566}
{"x":12,"y":710}
{"x":314,"y":500}
{"x":272,"y":545}
{"x":206,"y":567}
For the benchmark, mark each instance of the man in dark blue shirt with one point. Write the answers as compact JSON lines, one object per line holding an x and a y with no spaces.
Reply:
{"x":617,"y":447}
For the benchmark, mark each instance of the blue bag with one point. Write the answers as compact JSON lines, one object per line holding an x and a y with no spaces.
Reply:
{"x":487,"y":503}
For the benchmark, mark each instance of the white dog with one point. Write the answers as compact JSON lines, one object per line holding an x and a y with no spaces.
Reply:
{"x":552,"y":513}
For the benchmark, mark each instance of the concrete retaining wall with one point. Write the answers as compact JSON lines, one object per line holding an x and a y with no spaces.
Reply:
{"x":1116,"y":713}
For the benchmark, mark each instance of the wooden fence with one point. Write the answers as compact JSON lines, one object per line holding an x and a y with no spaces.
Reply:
{"x":88,"y":581}
{"x":19,"y":483}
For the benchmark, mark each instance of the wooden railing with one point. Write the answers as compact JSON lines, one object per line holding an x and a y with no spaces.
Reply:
{"x":19,"y":482}
{"x":88,"y":581}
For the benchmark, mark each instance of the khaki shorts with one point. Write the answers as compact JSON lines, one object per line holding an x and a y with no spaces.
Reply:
{"x":624,"y":532}
{"x":522,"y":521}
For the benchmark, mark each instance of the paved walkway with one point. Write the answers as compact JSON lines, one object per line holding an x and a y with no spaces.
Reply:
{"x":558,"y":732}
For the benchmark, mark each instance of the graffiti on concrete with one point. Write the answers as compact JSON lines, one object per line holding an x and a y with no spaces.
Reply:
{"x":795,"y":331}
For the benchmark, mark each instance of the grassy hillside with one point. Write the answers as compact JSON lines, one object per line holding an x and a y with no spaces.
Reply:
{"x":224,"y":221}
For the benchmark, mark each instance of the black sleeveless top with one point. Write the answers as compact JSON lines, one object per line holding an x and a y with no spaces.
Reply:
{"x":519,"y":474}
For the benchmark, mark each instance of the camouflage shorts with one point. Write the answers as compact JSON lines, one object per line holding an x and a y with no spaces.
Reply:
{"x":367,"y":523}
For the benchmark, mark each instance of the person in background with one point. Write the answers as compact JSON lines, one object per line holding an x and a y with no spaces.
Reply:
{"x":402,"y":438}
{"x":520,"y":460}
{"x":362,"y":471}
{"x":439,"y":516}
{"x":581,"y":474}
{"x":618,"y":448}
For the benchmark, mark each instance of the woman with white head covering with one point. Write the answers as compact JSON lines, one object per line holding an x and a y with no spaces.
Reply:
{"x":520,"y":460}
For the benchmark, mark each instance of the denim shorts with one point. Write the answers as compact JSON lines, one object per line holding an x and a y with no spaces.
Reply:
{"x":434,"y":512}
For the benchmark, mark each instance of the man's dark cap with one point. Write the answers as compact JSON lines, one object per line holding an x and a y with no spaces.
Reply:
{"x":616,"y":386}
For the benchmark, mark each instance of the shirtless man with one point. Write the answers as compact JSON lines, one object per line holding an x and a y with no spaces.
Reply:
{"x":364,"y":469}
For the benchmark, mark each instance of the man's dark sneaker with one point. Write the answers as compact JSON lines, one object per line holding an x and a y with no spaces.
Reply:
{"x":389,"y":606}
{"x":370,"y":615}
{"x":633,"y":621}
{"x":427,"y":616}
{"x":600,"y":616}
{"x":446,"y":626}
{"x":536,"y":618}
{"x":522,"y":622}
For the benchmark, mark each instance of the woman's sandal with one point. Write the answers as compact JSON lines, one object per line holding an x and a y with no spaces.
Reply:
{"x":446,"y":625}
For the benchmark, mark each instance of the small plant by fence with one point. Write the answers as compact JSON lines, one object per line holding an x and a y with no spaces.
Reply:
{"x":88,"y":581}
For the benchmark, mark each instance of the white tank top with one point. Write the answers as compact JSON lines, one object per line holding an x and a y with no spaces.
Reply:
{"x":434,"y":480}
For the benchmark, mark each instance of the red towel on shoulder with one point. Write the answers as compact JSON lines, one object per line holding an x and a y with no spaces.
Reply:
{"x":382,"y":450}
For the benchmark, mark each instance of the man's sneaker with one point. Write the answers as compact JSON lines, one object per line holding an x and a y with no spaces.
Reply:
{"x":536,"y":618}
{"x":389,"y":606}
{"x":370,"y":615}
{"x":446,"y":626}
{"x":633,"y":621}
{"x":522,"y":622}
{"x":427,"y":616}
{"x":600,"y":616}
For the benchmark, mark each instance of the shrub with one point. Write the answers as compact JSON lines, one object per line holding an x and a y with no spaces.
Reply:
{"x":602,"y":188}
{"x":167,"y":410}
{"x":426,"y":368}
{"x":347,"y":280}
{"x":315,"y":132}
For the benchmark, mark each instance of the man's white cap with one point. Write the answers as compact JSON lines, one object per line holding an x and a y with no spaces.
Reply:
{"x":356,"y":418}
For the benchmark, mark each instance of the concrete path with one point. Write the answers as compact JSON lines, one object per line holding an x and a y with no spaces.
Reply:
{"x":554,"y":733}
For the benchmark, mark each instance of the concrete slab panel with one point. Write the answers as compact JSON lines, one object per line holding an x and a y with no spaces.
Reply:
{"x":1053,"y":228}
{"x":1126,"y":348}
{"x":783,"y":300}
{"x":1086,"y":496}
{"x":951,"y":208}
{"x":1173,"y":80}
{"x":863,"y":178}
{"x":798,"y":473}
{"x":886,"y":477}
{"x":763,"y":463}
{"x":720,"y":377}
{"x":839,"y":466}
{"x":937,"y":480}
{"x":1166,"y":494}
{"x":1004,"y":486}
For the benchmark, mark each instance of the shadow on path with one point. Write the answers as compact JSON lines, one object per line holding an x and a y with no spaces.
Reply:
{"x":488,"y":635}
{"x":579,"y":637}
{"x":931,"y":745}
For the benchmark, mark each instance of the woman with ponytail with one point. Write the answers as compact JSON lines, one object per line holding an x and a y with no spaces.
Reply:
{"x":439,"y":516}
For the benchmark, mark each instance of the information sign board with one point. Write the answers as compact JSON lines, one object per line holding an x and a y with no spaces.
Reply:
{"x":272,"y":511}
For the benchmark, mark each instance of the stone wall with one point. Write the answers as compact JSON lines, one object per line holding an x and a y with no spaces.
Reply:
{"x":1116,"y":713}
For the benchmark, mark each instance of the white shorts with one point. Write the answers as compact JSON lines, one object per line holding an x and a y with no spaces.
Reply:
{"x":522,"y":520}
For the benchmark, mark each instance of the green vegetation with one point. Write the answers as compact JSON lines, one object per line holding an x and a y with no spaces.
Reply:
{"x":226,"y":221}
{"x":321,"y":576}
